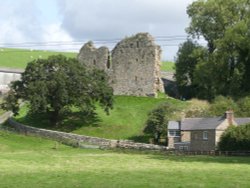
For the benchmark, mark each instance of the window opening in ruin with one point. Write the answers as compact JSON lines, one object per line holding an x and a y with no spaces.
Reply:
{"x":136,"y":78}
{"x":137,"y":44}
{"x":108,"y":62}
{"x":94,"y":62}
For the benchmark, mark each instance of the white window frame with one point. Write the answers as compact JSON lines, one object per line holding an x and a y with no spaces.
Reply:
{"x":205,"y":135}
{"x":176,"y":133}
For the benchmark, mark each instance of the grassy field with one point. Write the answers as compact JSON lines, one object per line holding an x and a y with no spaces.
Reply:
{"x":34,"y":162}
{"x":18,"y":58}
{"x":167,"y":66}
{"x":126,"y":120}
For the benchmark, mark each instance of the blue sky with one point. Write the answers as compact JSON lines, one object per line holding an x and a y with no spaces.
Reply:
{"x":73,"y":22}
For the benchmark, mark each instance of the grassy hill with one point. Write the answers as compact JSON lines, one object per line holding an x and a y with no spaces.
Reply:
{"x":167,"y":66}
{"x":18,"y":58}
{"x":34,"y":162}
{"x":126,"y":120}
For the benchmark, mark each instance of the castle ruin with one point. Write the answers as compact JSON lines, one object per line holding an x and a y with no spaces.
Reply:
{"x":133,"y":65}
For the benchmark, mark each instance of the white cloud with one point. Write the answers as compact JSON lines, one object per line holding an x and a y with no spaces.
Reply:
{"x":109,"y":19}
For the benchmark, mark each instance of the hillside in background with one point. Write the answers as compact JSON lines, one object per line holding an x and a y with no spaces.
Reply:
{"x":18,"y":58}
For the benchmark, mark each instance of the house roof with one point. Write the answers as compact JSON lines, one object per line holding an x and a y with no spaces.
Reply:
{"x":173,"y":125}
{"x":242,"y":121}
{"x":201,"y":123}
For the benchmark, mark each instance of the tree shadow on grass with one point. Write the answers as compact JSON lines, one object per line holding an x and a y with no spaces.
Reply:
{"x":203,"y":158}
{"x":71,"y":121}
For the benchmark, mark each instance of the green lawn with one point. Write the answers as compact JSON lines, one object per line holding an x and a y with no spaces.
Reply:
{"x":167,"y":66}
{"x":18,"y":58}
{"x":28,"y":162}
{"x":126,"y":120}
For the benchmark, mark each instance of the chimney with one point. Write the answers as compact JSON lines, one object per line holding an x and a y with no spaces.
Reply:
{"x":230,"y":116}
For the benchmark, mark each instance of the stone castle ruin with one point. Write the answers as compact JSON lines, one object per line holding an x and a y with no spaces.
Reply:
{"x":133,"y":65}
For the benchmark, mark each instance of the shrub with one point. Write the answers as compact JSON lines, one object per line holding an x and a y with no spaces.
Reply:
{"x":221,"y":104}
{"x":236,"y":139}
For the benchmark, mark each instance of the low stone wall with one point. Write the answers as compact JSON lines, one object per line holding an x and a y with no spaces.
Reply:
{"x":81,"y":140}
{"x":5,"y":116}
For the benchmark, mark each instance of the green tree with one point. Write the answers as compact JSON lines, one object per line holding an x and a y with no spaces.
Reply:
{"x":225,"y":27}
{"x":57,"y":84}
{"x":184,"y":67}
{"x":235,"y":138}
{"x":157,"y":122}
{"x":244,"y":107}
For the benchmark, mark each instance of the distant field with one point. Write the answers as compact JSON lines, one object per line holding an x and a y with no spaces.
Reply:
{"x":18,"y":58}
{"x":126,"y":120}
{"x":167,"y":66}
{"x":34,"y":162}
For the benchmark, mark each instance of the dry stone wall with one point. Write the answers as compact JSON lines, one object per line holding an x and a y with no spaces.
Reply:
{"x":82,"y":140}
{"x":133,"y":65}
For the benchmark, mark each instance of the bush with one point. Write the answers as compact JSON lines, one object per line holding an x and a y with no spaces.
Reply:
{"x":244,"y":107}
{"x":221,"y":104}
{"x":236,"y":139}
{"x":197,"y":108}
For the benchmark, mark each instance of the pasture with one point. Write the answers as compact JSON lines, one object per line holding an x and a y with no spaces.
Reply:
{"x":18,"y":58}
{"x":34,"y":162}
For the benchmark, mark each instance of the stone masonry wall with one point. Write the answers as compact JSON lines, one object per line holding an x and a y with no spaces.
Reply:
{"x":93,"y":57}
{"x":133,"y":66}
{"x":81,"y":140}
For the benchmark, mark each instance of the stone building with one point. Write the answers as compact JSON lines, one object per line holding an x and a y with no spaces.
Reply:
{"x":200,"y":134}
{"x":133,"y":65}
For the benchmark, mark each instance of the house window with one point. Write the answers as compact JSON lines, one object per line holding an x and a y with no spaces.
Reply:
{"x":205,"y":135}
{"x":174,"y":133}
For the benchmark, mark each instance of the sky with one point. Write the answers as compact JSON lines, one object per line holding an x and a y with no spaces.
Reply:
{"x":65,"y":25}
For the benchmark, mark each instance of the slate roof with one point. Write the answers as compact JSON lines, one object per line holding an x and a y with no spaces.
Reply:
{"x":242,"y":121}
{"x":201,"y":123}
{"x":174,"y":125}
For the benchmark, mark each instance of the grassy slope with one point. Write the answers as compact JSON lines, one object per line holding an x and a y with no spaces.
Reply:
{"x":18,"y":58}
{"x":126,"y":120}
{"x":32,"y":162}
{"x":167,"y":66}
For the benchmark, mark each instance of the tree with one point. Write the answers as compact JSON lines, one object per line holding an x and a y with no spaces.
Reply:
{"x":157,"y":122}
{"x":235,"y":138}
{"x":55,"y":85}
{"x":225,"y":26}
{"x":184,"y":67}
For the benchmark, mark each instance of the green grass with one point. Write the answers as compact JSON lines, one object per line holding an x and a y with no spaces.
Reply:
{"x":126,"y":120}
{"x":18,"y":58}
{"x":167,"y":66}
{"x":33,"y":162}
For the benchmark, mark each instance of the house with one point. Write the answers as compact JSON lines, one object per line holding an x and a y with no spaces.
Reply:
{"x":200,"y":134}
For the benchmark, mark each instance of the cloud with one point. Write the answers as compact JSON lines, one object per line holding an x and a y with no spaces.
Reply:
{"x":109,"y":19}
{"x":21,"y":22}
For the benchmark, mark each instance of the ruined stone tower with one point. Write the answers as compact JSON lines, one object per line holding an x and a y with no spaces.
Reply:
{"x":134,"y":68}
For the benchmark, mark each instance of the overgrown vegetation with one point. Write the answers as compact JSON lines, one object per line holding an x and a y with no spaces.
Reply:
{"x":34,"y":162}
{"x":236,"y":139}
